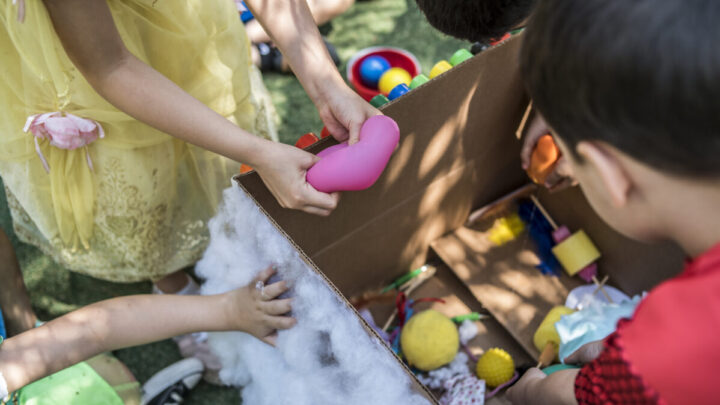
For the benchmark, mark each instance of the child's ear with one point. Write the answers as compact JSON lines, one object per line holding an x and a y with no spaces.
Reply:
{"x":608,"y":167}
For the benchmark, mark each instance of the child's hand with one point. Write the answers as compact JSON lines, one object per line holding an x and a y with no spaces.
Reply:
{"x":343,"y":112}
{"x":521,"y":391}
{"x":539,"y":389}
{"x":255,"y":309}
{"x":283,"y":169}
{"x":561,"y":176}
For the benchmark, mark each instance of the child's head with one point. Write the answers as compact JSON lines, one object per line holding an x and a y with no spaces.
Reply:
{"x":631,"y":90}
{"x":476,"y":20}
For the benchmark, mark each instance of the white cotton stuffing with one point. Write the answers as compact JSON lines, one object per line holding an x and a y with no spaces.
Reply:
{"x":327,"y":358}
{"x":467,"y":331}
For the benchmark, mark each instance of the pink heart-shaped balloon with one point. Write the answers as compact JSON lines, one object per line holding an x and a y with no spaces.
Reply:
{"x":358,"y":166}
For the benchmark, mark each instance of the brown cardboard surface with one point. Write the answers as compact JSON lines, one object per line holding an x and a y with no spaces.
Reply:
{"x":451,"y":131}
{"x":458,"y":151}
{"x":459,"y":301}
{"x":632,"y":266}
{"x":504,"y":278}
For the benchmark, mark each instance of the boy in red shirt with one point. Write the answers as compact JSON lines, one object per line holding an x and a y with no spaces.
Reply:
{"x":631,"y":90}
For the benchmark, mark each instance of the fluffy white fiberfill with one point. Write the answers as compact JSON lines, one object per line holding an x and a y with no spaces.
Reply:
{"x":327,"y":358}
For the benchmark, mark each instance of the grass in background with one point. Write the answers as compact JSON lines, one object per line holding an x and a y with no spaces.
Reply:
{"x":55,"y":291}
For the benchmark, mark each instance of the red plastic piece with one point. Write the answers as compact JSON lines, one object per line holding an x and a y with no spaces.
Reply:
{"x":306,"y":140}
{"x":503,"y":38}
{"x":324,"y":133}
{"x":245,"y":168}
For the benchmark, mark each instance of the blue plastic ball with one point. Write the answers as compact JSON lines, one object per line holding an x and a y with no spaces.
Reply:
{"x":398,"y":91}
{"x":372,"y":68}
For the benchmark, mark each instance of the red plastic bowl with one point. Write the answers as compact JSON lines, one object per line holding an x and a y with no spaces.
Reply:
{"x":397,"y":58}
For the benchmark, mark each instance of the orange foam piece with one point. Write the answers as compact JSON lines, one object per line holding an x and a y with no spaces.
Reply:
{"x":543,"y":159}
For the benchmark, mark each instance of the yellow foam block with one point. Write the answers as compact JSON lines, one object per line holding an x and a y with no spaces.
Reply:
{"x":429,"y":340}
{"x":440,"y":68}
{"x":576,"y":252}
{"x":546,"y":331}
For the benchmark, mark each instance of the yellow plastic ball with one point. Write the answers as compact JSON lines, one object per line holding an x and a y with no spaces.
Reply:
{"x":429,"y":340}
{"x":440,"y":68}
{"x":496,"y":367}
{"x":392,"y":78}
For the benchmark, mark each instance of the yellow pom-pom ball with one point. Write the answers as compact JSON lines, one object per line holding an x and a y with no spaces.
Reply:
{"x":429,"y":340}
{"x":496,"y":367}
{"x":391,"y":78}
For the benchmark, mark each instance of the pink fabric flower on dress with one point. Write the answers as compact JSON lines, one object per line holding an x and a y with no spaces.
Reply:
{"x":64,"y":131}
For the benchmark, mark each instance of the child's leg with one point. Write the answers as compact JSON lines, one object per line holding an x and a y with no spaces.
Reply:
{"x":173,"y":282}
{"x":14,"y":299}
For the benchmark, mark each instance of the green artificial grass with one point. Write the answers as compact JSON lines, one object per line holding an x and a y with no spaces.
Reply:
{"x":55,"y":291}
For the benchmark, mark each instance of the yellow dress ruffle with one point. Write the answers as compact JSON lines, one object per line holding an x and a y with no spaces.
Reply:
{"x":142,"y":212}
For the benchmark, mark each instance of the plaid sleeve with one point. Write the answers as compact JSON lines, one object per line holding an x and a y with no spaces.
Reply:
{"x":609,"y":380}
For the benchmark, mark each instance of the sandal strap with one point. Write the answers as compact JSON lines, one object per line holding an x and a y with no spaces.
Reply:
{"x":270,"y":58}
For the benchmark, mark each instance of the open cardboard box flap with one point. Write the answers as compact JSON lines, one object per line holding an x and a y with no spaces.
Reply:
{"x":457,"y":152}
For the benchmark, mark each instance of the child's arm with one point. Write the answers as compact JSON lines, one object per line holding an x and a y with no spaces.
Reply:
{"x":559,"y":387}
{"x":538,"y":389}
{"x":292,"y":28}
{"x":136,"y":320}
{"x":92,"y":42}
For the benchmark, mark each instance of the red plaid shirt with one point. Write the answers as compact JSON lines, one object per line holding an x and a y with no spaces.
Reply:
{"x":669,"y":353}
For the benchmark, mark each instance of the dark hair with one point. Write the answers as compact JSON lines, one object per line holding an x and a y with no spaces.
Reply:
{"x":640,"y":75}
{"x":475,"y":20}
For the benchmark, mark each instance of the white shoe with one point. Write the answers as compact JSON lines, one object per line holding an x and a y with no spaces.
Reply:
{"x":170,"y":385}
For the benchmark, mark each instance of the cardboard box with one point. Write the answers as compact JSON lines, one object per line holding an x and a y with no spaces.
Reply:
{"x":458,"y":151}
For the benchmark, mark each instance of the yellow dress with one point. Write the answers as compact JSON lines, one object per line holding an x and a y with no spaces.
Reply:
{"x":141,"y":213}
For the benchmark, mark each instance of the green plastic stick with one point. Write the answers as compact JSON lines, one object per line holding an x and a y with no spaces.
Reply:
{"x":472,"y":316}
{"x":404,"y":278}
